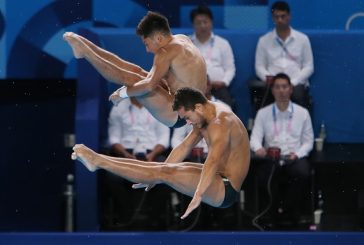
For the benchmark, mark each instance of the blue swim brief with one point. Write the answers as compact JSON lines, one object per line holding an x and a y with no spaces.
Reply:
{"x":180,"y":123}
{"x":231,"y":194}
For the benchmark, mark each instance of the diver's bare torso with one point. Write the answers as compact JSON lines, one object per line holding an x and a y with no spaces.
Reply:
{"x":236,"y":167}
{"x":188,"y":68}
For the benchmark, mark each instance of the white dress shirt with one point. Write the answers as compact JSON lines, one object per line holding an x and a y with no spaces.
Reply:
{"x":291,"y":131}
{"x":292,"y":57}
{"x":219,"y":58}
{"x":135,"y":128}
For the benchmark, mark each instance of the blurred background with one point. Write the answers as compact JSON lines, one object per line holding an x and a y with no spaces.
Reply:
{"x":40,"y":94}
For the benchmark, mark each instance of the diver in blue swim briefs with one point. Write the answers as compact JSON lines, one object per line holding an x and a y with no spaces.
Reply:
{"x":216,"y":182}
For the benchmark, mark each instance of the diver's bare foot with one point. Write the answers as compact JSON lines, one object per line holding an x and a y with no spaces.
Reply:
{"x":85,"y":155}
{"x":75,"y":42}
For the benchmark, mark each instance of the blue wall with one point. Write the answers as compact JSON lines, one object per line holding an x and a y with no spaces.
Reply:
{"x":325,"y":14}
{"x":29,"y":43}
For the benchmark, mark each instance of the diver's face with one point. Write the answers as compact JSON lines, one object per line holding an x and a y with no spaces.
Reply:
{"x":151,"y":43}
{"x":193,"y":117}
{"x":281,"y":18}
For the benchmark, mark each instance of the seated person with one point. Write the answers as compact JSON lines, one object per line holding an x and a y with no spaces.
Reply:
{"x":217,"y":52}
{"x":135,"y":133}
{"x":283,"y":50}
{"x":285,"y":125}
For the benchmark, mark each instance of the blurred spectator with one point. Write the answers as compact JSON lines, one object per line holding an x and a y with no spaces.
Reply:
{"x":134,"y":133}
{"x":287,"y":126}
{"x":283,"y":50}
{"x":216,"y":51}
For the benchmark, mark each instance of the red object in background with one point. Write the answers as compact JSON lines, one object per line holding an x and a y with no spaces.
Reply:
{"x":197,"y":152}
{"x":274,"y":153}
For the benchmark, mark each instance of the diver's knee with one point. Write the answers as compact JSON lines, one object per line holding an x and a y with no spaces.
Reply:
{"x":166,"y":172}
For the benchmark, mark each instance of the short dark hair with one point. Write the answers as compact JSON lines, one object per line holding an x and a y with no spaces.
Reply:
{"x":188,"y":98}
{"x":201,"y":9}
{"x":280,"y":5}
{"x":151,"y":23}
{"x":281,"y":76}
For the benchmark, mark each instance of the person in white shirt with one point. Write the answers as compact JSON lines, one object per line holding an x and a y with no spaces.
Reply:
{"x":288,"y":126}
{"x":135,"y":133}
{"x":284,"y":50}
{"x":216,"y":51}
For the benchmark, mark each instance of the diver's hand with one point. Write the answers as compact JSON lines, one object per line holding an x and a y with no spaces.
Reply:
{"x":195,"y":202}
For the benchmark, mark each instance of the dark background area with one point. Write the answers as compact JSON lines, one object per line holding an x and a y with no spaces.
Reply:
{"x":36,"y":114}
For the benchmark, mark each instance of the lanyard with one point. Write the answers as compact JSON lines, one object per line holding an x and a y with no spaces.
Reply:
{"x":289,"y":125}
{"x":209,"y":49}
{"x":290,"y":56}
